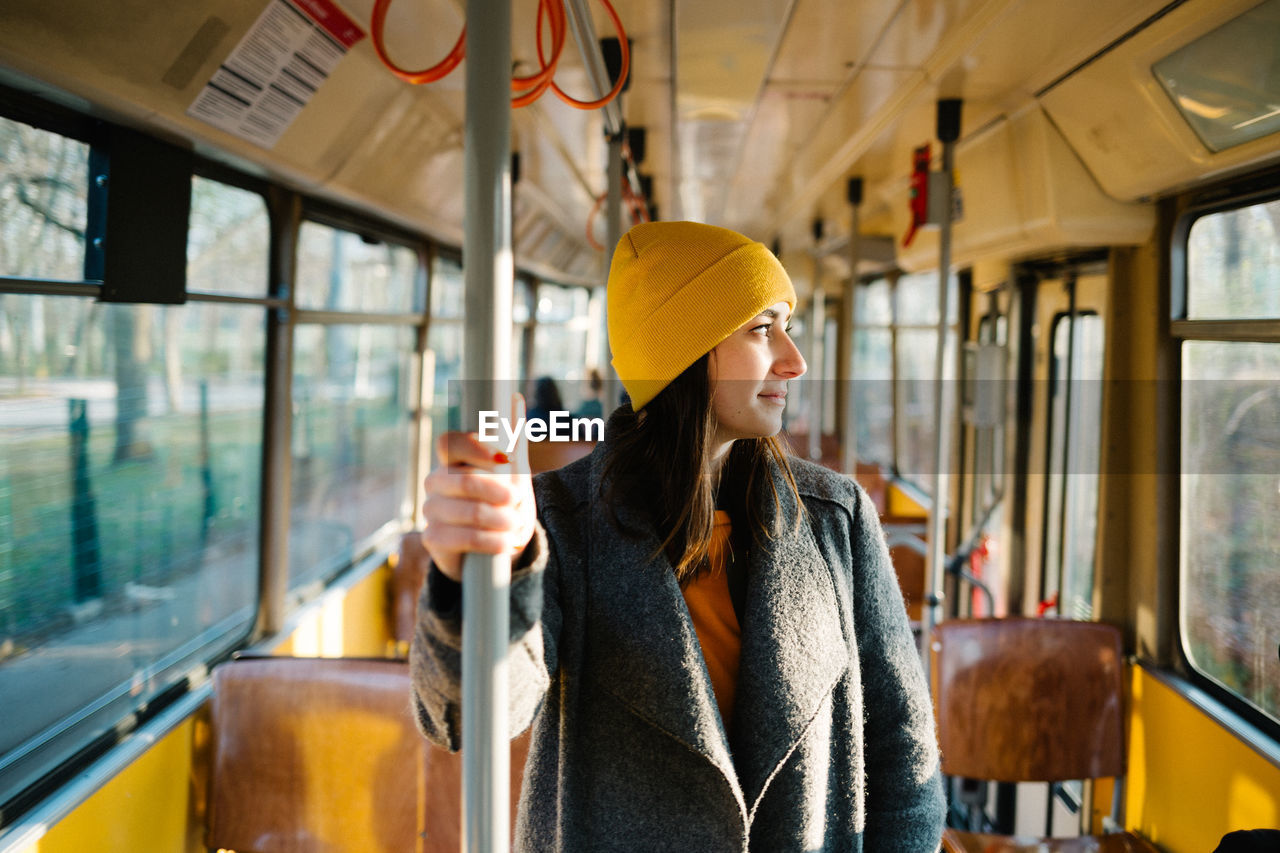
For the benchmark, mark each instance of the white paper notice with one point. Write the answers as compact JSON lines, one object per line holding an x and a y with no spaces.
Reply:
{"x":275,"y":69}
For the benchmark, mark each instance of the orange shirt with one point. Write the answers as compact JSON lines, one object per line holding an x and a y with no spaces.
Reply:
{"x":714,"y":619}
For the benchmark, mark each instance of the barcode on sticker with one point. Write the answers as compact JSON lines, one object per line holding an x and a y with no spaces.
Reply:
{"x":276,"y":68}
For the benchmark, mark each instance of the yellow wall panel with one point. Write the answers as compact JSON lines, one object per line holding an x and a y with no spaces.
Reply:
{"x":902,"y":504}
{"x":156,"y":804}
{"x":145,"y":807}
{"x":1190,"y":780}
{"x":347,"y":622}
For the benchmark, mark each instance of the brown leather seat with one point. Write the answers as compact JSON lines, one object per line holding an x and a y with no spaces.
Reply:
{"x":1030,"y":700}
{"x":1118,"y":842}
{"x":549,"y":455}
{"x":871,"y":478}
{"x":908,"y":543}
{"x":407,"y":576}
{"x":314,"y":755}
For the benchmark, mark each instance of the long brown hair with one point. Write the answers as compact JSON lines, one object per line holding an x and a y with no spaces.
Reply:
{"x":658,"y":460}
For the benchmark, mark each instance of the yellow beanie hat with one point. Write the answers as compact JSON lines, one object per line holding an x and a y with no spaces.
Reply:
{"x":676,"y":290}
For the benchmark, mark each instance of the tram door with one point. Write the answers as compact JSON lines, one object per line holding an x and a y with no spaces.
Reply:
{"x":989,"y":361}
{"x":1030,"y":424}
{"x":1063,"y":451}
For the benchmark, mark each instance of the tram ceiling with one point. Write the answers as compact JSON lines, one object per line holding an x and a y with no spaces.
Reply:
{"x":850,"y":87}
{"x":756,"y":111}
{"x":847,"y":88}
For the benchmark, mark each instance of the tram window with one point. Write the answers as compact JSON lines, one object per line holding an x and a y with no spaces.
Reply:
{"x":351,"y":442}
{"x":873,"y":372}
{"x":873,"y":394}
{"x":988,"y":441}
{"x":1230,"y":503}
{"x":916,"y":300}
{"x":915,"y":343}
{"x":227,"y":240}
{"x":1233,"y":264}
{"x":522,"y":326}
{"x":1075,"y":418}
{"x":129,"y":491}
{"x":914,"y":387}
{"x":342,"y":271}
{"x":444,"y":339}
{"x":448,"y":289}
{"x":561,"y":354}
{"x":523,"y":297}
{"x":873,"y":304}
{"x":44,"y":191}
{"x":830,"y":345}
{"x":352,"y":422}
{"x":560,"y":339}
{"x":561,"y":304}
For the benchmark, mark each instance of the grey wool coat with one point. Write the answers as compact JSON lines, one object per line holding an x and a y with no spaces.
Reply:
{"x":833,"y":728}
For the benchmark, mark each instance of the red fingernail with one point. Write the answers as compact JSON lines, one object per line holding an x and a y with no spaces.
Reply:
{"x":501,"y":458}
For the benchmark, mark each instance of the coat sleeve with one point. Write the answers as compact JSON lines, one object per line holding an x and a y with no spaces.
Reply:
{"x":905,"y":804}
{"x":435,"y":657}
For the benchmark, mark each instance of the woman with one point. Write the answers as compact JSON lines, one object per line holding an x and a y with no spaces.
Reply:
{"x":707,"y":637}
{"x":545,"y":399}
{"x":591,"y":406}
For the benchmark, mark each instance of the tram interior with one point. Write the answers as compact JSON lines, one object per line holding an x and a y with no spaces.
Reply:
{"x":222,"y":369}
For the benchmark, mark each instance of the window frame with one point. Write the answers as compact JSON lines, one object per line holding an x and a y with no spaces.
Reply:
{"x":53,"y":118}
{"x":954,"y":328}
{"x":887,"y":466}
{"x":210,"y":170}
{"x":1247,"y":193}
{"x":63,"y":784}
{"x":992,"y":329}
{"x":1068,"y":412}
{"x":179,"y":679}
{"x":532,"y":367}
{"x":961,"y":290}
{"x":417,"y":317}
{"x":328,"y":216}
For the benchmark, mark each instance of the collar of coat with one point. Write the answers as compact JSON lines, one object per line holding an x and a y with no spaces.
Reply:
{"x":645,"y":653}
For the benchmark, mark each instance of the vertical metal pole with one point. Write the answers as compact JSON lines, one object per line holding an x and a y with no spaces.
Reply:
{"x":613,"y":233}
{"x":935,"y":563}
{"x":419,"y":393}
{"x":593,"y":61}
{"x":849,"y":442}
{"x":817,"y":336}
{"x":488,"y":274}
{"x":277,"y":452}
{"x":1068,"y":405}
{"x":584,"y":33}
{"x":817,"y":330}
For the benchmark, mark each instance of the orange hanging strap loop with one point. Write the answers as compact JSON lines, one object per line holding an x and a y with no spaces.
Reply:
{"x":635,"y":204}
{"x":622,"y":75}
{"x":535,"y":84}
{"x":590,"y":223}
{"x":529,"y":88}
{"x":427,"y":75}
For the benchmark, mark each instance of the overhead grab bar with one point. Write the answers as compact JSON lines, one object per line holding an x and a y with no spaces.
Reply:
{"x":948,"y":131}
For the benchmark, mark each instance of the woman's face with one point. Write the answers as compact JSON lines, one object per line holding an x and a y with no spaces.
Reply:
{"x":749,"y":372}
